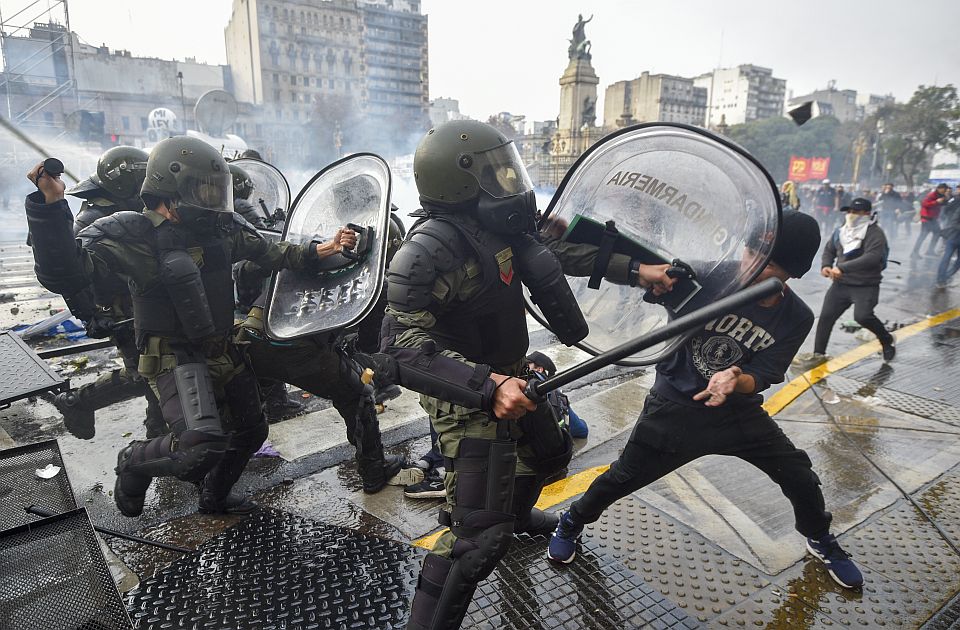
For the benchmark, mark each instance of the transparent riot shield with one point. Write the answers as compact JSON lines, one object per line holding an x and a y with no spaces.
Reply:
{"x":271,"y":192}
{"x":353,"y":192}
{"x":660,"y":192}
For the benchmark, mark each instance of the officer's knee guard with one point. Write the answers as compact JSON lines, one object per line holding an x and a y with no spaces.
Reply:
{"x":482,"y":518}
{"x":483,"y":524}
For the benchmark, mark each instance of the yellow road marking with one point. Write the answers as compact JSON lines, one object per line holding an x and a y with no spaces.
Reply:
{"x":792,"y":390}
{"x":560,"y":491}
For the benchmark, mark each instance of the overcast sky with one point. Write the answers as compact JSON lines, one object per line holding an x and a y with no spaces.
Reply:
{"x":507,"y":55}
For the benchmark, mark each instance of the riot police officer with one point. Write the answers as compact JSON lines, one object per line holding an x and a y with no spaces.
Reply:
{"x":176,"y":256}
{"x":242,"y":189}
{"x":319,"y":364}
{"x":113,"y":188}
{"x":455,"y":330}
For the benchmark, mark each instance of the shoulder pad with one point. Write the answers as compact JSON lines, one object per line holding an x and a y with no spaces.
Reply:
{"x":442,"y":240}
{"x":89,"y":213}
{"x":410,"y":277}
{"x":242,"y":224}
{"x":120,"y":226}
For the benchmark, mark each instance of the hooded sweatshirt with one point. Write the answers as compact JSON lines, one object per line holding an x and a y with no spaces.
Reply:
{"x":861,"y":266}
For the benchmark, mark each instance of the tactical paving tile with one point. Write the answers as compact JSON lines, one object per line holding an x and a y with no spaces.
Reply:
{"x":922,"y":368}
{"x":881,"y":603}
{"x":904,"y":547}
{"x":275,"y":570}
{"x":941,"y":501}
{"x":592,"y":593}
{"x":703,"y":579}
{"x":774,"y":609}
{"x":909,"y":403}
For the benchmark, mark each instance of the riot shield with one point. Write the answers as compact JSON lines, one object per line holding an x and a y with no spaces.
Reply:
{"x":271,"y":192}
{"x":344,"y":288}
{"x":660,"y":192}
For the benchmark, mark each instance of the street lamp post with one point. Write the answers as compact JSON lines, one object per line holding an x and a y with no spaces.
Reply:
{"x":183,"y":104}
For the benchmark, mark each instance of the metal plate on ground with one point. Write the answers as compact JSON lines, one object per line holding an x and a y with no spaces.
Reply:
{"x":526,"y":592}
{"x":919,"y":369}
{"x":21,"y":486}
{"x":22,"y":372}
{"x":675,"y":560}
{"x":947,"y":618}
{"x":53,"y":576}
{"x":908,"y":403}
{"x":276,"y":570}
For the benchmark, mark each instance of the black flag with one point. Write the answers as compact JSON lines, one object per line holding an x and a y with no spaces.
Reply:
{"x":801,"y":113}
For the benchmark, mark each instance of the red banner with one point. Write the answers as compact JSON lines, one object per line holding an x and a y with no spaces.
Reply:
{"x":805,"y":169}
{"x":799,"y":169}
{"x":819,"y":167}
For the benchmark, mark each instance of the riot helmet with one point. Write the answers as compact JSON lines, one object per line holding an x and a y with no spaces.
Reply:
{"x":242,"y":184}
{"x":194,"y":176}
{"x":121,"y":171}
{"x":470,"y":166}
{"x":89,"y":188}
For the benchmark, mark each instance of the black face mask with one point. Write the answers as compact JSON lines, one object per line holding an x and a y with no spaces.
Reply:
{"x":508,"y":215}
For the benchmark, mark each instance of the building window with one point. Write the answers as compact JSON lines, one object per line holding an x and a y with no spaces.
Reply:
{"x":144,"y":123}
{"x":125,"y":121}
{"x":293,"y":79}
{"x":330,"y":83}
{"x":276,"y":78}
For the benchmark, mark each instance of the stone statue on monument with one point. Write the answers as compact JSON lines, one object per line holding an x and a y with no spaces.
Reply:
{"x":579,"y":45}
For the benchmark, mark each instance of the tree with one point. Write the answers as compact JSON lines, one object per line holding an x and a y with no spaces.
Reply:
{"x":915,"y":130}
{"x":774,"y":140}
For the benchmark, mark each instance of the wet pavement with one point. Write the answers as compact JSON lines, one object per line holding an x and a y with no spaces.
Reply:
{"x":712,"y":544}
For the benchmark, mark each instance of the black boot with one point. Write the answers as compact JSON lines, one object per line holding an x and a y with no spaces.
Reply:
{"x":231,"y":504}
{"x":137,"y":464}
{"x":530,"y":520}
{"x":277,"y":405}
{"x":215,"y":493}
{"x":375,"y":472}
{"x":77,"y":417}
{"x":78,"y":406}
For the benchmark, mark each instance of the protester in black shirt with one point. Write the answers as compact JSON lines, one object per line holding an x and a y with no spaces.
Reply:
{"x":706,"y":400}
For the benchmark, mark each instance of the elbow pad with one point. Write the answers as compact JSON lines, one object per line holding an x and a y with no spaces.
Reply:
{"x":543,"y":276}
{"x":426,"y":371}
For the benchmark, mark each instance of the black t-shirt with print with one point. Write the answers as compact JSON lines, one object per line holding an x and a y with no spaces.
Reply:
{"x":760,"y":340}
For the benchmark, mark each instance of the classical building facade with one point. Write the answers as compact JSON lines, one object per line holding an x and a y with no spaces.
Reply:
{"x":654,"y":97}
{"x":328,"y":72}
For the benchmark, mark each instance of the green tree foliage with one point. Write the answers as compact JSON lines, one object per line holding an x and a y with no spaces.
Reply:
{"x":774,"y":140}
{"x":914,"y":131}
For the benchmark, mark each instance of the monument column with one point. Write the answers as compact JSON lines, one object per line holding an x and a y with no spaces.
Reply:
{"x":576,"y":124}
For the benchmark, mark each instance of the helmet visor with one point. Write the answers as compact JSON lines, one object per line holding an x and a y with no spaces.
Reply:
{"x":210,"y":191}
{"x":499,"y":170}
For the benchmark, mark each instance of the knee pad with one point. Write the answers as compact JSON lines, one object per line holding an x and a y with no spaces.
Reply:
{"x":482,"y":517}
{"x":197,"y":452}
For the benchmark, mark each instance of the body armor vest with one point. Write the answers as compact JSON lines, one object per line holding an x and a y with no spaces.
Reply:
{"x":490,"y":327}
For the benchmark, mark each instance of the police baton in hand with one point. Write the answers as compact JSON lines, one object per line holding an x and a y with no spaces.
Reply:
{"x":537,"y":390}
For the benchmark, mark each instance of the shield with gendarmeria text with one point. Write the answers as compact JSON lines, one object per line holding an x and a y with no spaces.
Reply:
{"x":341,"y":289}
{"x":660,"y":192}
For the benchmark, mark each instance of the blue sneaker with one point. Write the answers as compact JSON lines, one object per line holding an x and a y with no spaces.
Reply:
{"x":839,"y":565}
{"x":563,"y":543}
